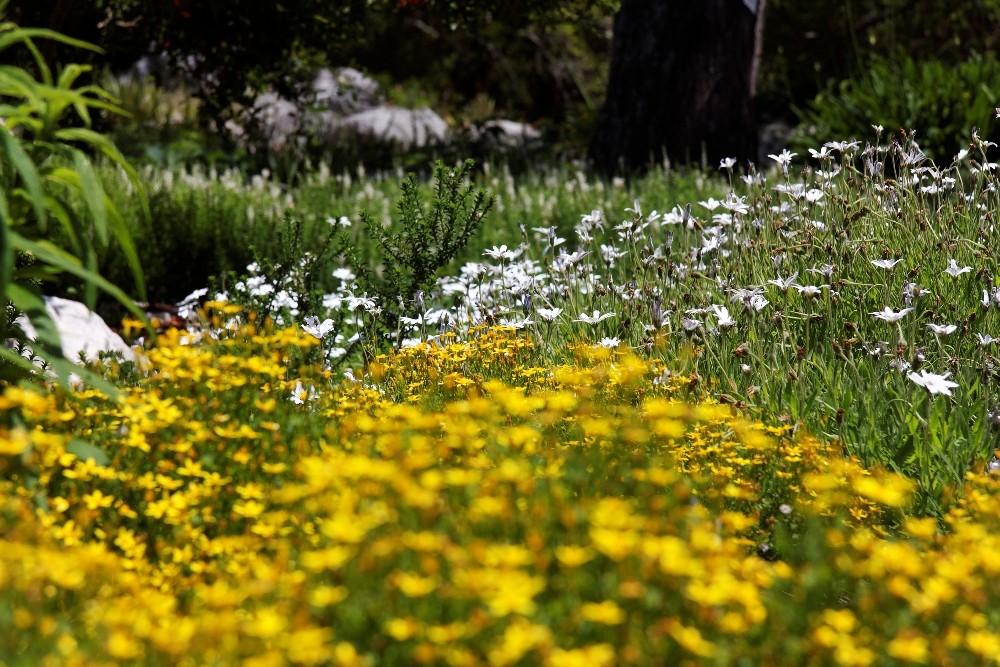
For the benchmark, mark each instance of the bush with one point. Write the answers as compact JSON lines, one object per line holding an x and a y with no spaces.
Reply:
{"x":942,"y":103}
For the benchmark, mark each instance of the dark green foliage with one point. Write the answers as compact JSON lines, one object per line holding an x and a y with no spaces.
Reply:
{"x":942,"y":103}
{"x":422,"y":242}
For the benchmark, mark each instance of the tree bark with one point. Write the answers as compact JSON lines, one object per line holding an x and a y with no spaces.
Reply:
{"x":681,"y":84}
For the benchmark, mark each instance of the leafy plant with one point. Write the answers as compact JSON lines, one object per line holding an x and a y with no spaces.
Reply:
{"x":423,"y":241}
{"x":940,"y":102}
{"x":49,"y":188}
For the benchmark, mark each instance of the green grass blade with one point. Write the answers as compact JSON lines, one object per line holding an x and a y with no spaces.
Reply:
{"x":24,"y":166}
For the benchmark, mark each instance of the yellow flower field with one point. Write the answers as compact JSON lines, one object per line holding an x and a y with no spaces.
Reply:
{"x":461,"y":504}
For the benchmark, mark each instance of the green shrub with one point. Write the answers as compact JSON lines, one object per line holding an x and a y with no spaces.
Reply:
{"x":941,"y":102}
{"x":49,"y":188}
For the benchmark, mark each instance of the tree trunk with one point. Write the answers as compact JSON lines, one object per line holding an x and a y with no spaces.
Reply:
{"x":681,"y":84}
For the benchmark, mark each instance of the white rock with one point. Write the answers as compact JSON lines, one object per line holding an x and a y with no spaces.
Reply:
{"x":409,"y":128}
{"x":345,"y":91}
{"x":80,"y":330}
{"x":504,"y":136}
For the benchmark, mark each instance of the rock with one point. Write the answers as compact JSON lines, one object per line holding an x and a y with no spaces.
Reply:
{"x":345,"y":91}
{"x":277,"y":119}
{"x":505,"y":136}
{"x":406,"y":128}
{"x":80,"y":330}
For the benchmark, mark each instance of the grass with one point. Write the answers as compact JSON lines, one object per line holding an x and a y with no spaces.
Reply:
{"x":205,"y":223}
{"x":721,"y":434}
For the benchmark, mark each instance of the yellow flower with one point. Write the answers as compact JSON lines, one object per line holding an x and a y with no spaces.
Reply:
{"x":606,"y":612}
{"x":911,"y":647}
{"x":97,"y":500}
{"x":573,"y":555}
{"x":402,"y":629}
{"x":413,"y":585}
{"x":597,"y":655}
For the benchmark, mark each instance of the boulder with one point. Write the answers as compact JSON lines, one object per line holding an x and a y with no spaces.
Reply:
{"x":406,"y":128}
{"x":345,"y":91}
{"x":80,"y":330}
{"x":505,"y":136}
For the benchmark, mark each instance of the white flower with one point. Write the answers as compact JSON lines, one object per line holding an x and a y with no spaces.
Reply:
{"x":727,"y":163}
{"x":315,"y":328}
{"x":549,"y":314}
{"x":810,"y":290}
{"x":300,"y":394}
{"x":595,"y":318}
{"x":690,"y":324}
{"x":985,"y":339}
{"x":736,"y":204}
{"x":821,"y":154}
{"x":344,"y":274}
{"x":890,"y":315}
{"x":783,"y":159}
{"x":722,"y":314}
{"x":711,"y":203}
{"x":954,"y":271}
{"x":502,"y":252}
{"x":886,"y":263}
{"x":609,"y":343}
{"x":813,"y":195}
{"x":936,"y":384}
{"x":785,"y":283}
{"x":942,"y":329}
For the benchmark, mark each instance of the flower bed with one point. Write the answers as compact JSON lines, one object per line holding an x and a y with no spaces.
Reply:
{"x":463,"y":503}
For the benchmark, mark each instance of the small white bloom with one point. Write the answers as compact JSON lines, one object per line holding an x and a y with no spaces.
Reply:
{"x":784,"y":158}
{"x":609,"y":343}
{"x":300,"y":394}
{"x":785,"y":283}
{"x":549,"y":314}
{"x":954,"y":271}
{"x":317,"y":329}
{"x":890,"y":315}
{"x":595,"y":318}
{"x":501,"y":252}
{"x":985,"y":339}
{"x":942,"y":329}
{"x":690,"y":324}
{"x":936,"y":384}
{"x":344,"y":274}
{"x":886,"y":263}
{"x":810,"y":290}
{"x":727,"y":163}
{"x":722,"y":314}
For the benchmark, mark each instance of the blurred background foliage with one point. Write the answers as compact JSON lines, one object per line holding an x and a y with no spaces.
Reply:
{"x":834,"y":64}
{"x":829,"y":69}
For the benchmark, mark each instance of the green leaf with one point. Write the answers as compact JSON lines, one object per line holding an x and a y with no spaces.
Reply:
{"x":49,"y":253}
{"x":85,"y":450}
{"x":6,"y":249}
{"x":29,"y":173}
{"x":32,"y":305}
{"x":93,"y":195}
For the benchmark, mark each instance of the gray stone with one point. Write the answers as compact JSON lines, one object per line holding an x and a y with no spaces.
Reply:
{"x":505,"y":136}
{"x":407,"y":128}
{"x":345,"y":91}
{"x":80,"y":330}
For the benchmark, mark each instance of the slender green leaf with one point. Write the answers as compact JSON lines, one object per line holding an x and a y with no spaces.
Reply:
{"x":85,"y":450}
{"x":46,"y":251}
{"x":93,"y":195}
{"x":31,"y":303}
{"x":17,"y":157}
